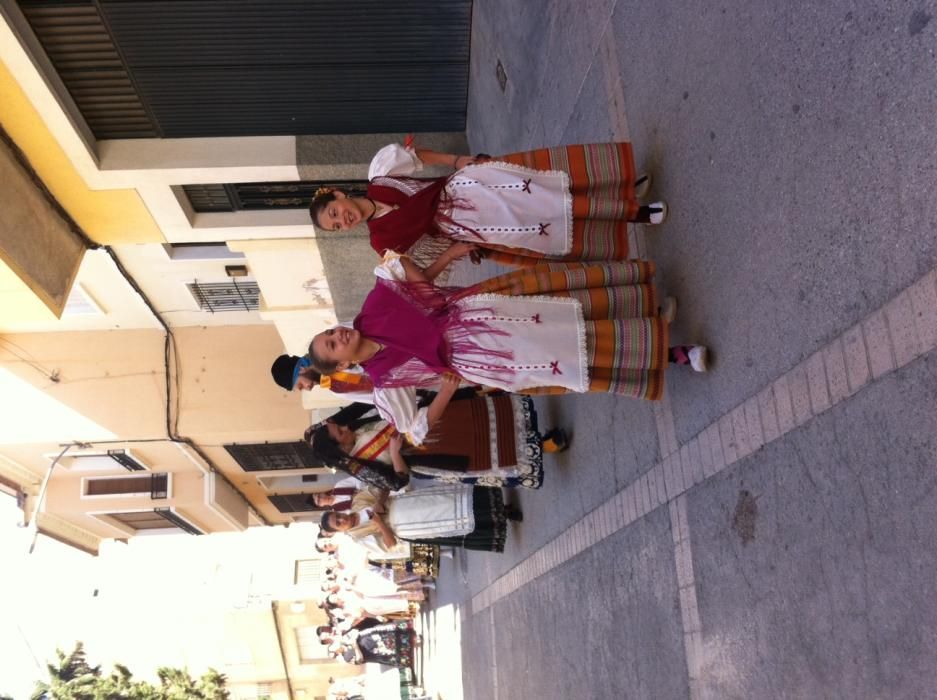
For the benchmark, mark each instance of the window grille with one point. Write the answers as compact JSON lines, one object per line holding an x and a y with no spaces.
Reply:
{"x":171,"y":517}
{"x":209,"y":198}
{"x":88,"y":462}
{"x":294,"y":503}
{"x":308,"y":572}
{"x":254,"y":196}
{"x":226,"y":296}
{"x":125,"y":460}
{"x":271,"y":456}
{"x":157,"y":485}
{"x":156,"y":519}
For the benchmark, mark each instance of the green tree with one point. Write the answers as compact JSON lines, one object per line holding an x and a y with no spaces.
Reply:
{"x":177,"y":684}
{"x":73,"y":678}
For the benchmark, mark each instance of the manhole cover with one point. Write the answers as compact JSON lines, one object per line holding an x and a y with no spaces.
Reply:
{"x":502,"y":76}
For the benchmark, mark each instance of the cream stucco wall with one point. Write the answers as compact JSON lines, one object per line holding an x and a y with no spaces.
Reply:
{"x":114,"y":380}
{"x":98,"y":280}
{"x":163,"y":279}
{"x":112,"y":377}
{"x":19,"y":305}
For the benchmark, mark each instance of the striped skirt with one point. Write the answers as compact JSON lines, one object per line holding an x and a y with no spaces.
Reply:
{"x":483,"y":441}
{"x":626,"y":340}
{"x":602,"y":179}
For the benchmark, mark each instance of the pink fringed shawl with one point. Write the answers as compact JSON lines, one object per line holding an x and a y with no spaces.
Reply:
{"x":421,"y":332}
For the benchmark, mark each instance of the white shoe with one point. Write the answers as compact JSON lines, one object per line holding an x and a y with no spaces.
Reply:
{"x":668,"y":309}
{"x":660,"y":216}
{"x":644,"y":185}
{"x":699,"y":358}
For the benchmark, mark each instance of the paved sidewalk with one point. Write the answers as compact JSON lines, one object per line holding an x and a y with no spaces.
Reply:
{"x":765,"y":531}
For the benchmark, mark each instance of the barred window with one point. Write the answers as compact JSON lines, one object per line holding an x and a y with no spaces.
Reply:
{"x":156,"y":519}
{"x":253,"y":196}
{"x":156,"y":485}
{"x":294,"y":503}
{"x":226,"y":296}
{"x":308,"y":572}
{"x":271,"y":456}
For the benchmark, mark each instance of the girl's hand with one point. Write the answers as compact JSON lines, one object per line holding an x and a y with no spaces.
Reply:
{"x":460,"y":250}
{"x":462,"y":161}
{"x":477,"y":255}
{"x":449,"y":383}
{"x":396,"y":443}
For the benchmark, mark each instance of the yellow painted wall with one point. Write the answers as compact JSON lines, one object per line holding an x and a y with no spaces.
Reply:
{"x":107,"y":216}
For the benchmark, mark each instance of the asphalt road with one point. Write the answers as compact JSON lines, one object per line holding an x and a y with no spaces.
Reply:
{"x":795,"y":144}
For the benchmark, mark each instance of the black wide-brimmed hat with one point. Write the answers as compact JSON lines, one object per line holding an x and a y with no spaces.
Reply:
{"x":284,"y":371}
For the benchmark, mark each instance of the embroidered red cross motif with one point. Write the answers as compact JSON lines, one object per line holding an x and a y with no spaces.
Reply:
{"x":543,"y":230}
{"x":526,"y":187}
{"x":555,"y":366}
{"x":535,"y":318}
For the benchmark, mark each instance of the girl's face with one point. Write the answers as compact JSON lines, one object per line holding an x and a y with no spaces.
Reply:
{"x":341,"y":214}
{"x":339,"y":345}
{"x":342,"y":435}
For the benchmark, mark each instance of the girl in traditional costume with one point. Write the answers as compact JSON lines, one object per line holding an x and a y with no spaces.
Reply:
{"x":454,"y":515}
{"x":568,"y":203}
{"x":552,"y":328}
{"x":390,"y":644}
{"x":358,"y":607}
{"x":490,"y":440}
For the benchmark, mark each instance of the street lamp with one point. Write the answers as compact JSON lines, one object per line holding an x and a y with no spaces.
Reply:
{"x":42,"y":494}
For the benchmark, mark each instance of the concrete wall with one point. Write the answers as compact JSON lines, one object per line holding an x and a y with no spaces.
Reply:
{"x":347,"y":157}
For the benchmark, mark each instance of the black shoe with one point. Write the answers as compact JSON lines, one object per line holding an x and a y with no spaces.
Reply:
{"x":555,"y":440}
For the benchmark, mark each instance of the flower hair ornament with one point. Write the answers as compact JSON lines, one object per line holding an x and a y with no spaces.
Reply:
{"x":322,"y":191}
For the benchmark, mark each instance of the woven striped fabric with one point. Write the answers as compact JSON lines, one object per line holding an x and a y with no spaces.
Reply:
{"x":602,"y":179}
